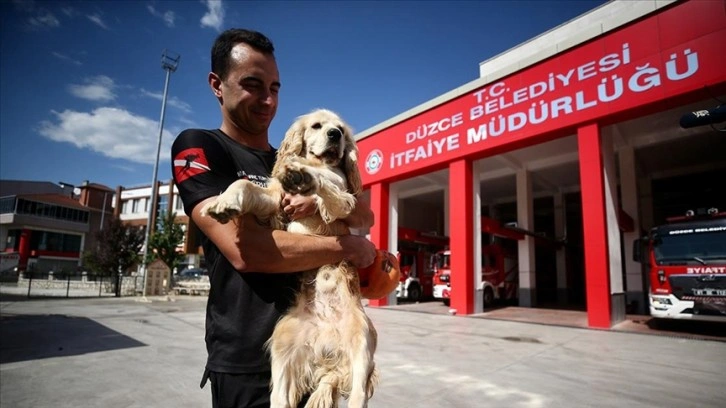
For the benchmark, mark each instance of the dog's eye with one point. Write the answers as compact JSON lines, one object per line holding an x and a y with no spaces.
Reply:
{"x":316,"y":126}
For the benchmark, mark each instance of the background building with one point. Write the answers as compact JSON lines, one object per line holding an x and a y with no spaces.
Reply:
{"x":46,"y":226}
{"x":132,"y":204}
{"x":573,"y":135}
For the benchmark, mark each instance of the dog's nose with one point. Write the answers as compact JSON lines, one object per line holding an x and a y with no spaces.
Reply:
{"x":334,"y":134}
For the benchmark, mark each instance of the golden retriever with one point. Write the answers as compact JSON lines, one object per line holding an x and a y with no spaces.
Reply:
{"x":324,"y":345}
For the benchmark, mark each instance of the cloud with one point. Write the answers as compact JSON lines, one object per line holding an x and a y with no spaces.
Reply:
{"x":40,"y":19}
{"x":173,"y":101}
{"x":45,"y":19}
{"x":214,"y":17}
{"x":168,"y":16}
{"x":66,"y":58}
{"x":112,"y":132}
{"x":126,"y":168}
{"x":69,"y":11}
{"x":99,"y":88}
{"x":96,"y":19}
{"x":188,"y":123}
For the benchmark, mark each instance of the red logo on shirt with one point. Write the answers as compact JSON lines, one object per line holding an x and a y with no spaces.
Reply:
{"x":189,"y":163}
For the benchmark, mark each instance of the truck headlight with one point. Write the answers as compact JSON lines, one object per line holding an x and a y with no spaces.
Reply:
{"x":660,"y":301}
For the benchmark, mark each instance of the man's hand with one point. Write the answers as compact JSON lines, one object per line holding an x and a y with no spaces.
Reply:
{"x":359,"y":251}
{"x":298,"y":206}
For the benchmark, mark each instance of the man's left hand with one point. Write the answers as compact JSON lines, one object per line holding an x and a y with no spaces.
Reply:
{"x":298,"y":206}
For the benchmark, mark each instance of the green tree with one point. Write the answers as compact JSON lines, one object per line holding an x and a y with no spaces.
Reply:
{"x":163,"y":243}
{"x":118,"y":247}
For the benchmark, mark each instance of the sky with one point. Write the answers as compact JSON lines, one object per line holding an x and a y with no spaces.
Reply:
{"x":81,"y":82}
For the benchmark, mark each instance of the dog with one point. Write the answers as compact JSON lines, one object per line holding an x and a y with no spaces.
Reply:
{"x":324,"y":344}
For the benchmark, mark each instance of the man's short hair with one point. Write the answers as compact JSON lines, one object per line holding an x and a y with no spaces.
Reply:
{"x":222,"y":48}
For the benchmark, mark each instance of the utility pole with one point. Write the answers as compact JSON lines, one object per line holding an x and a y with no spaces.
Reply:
{"x":169,"y":62}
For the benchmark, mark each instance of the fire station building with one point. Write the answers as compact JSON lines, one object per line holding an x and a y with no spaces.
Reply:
{"x":574,"y":136}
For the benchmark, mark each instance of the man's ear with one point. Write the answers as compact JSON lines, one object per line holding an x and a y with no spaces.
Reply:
{"x":215,"y":83}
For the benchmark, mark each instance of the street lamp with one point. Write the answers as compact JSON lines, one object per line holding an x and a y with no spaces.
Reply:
{"x":169,"y":62}
{"x":65,"y":185}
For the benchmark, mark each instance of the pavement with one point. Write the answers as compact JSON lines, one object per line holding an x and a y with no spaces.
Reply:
{"x":120,"y":352}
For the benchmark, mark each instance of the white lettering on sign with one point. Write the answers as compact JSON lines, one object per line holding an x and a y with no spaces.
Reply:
{"x":493,"y":99}
{"x":718,"y":228}
{"x":430,"y":149}
{"x":709,"y":292}
{"x":706,"y":269}
{"x":486,"y":118}
{"x":431,"y":129}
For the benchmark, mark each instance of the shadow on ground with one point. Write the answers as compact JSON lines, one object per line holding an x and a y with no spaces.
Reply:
{"x":33,"y":337}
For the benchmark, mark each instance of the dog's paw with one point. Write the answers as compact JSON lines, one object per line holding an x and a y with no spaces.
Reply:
{"x":222,"y":209}
{"x":296,"y":180}
{"x":325,"y":396}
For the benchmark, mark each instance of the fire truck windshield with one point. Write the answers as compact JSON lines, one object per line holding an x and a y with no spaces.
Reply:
{"x":689,"y":247}
{"x":442,"y":260}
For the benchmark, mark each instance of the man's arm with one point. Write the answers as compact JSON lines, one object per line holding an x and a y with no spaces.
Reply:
{"x":361,"y":217}
{"x":249,"y":246}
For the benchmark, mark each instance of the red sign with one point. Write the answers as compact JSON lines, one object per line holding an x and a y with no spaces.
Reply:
{"x":663,"y":56}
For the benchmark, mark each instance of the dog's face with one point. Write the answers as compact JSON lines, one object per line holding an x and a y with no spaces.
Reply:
{"x":322,"y":136}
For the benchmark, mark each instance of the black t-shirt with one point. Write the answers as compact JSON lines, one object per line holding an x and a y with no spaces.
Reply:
{"x":242,"y":309}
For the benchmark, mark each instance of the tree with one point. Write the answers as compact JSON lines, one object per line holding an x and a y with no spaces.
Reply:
{"x":163,"y":243}
{"x":118,"y":248}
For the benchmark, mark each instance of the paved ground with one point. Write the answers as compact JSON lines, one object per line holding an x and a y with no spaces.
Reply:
{"x":114,"y":352}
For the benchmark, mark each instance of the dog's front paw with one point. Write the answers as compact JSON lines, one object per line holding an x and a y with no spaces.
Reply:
{"x":296,"y":180}
{"x":222,"y":209}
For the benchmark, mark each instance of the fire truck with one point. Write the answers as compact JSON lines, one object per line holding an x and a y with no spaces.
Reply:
{"x":415,"y":250}
{"x":686,"y":263}
{"x":499,"y":274}
{"x":499,"y":270}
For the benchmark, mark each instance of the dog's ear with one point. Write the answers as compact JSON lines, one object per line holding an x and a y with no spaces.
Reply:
{"x":350,"y":166}
{"x":292,"y":144}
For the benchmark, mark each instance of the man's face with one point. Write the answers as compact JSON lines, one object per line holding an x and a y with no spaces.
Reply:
{"x":249,"y":93}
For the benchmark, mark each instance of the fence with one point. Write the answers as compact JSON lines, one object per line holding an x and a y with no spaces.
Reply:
{"x":49,"y":284}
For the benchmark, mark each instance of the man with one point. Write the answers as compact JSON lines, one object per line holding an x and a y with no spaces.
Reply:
{"x":250,"y":265}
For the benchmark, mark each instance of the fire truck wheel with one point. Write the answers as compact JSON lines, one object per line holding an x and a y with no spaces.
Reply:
{"x":414,"y":292}
{"x":488,"y":297}
{"x":447,"y":302}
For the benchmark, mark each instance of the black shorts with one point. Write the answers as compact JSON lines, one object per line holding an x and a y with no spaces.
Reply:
{"x":240,"y":390}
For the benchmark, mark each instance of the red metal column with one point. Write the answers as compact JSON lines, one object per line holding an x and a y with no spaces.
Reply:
{"x":461,"y":231}
{"x":380,"y":205}
{"x":24,"y":248}
{"x":597,"y":277}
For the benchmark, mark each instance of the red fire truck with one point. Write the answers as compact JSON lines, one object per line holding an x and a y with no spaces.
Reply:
{"x":499,"y":265}
{"x":499,"y":275}
{"x":415,"y":250}
{"x":686,"y":262}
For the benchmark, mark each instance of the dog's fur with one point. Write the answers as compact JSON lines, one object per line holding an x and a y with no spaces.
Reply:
{"x":324,"y":345}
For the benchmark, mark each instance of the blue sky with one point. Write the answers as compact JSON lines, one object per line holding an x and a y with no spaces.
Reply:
{"x":81,"y":82}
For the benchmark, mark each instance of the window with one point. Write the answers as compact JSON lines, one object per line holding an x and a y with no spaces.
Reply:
{"x":163,"y":204}
{"x":135,"y":206}
{"x":58,"y":212}
{"x":55,"y":241}
{"x":7,"y":205}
